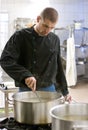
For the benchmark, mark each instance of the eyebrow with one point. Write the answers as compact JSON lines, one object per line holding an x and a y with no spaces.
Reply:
{"x":47,"y":26}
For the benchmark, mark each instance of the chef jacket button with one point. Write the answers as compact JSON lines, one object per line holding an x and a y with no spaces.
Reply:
{"x":33,"y":38}
{"x":34,"y":50}
{"x":47,"y":74}
{"x":49,"y":61}
{"x":34,"y":62}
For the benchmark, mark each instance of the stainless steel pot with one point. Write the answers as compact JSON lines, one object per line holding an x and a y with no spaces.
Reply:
{"x":30,"y":110}
{"x":70,"y":117}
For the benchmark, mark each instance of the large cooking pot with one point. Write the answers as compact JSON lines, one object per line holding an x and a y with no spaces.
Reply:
{"x":70,"y":116}
{"x":30,"y":110}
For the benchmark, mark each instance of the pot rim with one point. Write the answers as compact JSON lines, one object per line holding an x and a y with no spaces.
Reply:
{"x":63,"y":105}
{"x":57,"y":98}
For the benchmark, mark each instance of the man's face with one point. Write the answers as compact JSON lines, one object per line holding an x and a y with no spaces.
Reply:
{"x":44,"y":26}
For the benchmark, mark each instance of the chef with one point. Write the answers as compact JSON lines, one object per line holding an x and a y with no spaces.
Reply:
{"x":32,"y":56}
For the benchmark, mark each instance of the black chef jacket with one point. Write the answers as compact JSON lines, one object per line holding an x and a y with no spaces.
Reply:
{"x":27,"y":54}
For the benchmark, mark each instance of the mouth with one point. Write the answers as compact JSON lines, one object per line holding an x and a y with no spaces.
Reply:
{"x":44,"y":33}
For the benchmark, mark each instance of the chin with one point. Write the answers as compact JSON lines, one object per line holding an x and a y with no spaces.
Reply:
{"x":45,"y":34}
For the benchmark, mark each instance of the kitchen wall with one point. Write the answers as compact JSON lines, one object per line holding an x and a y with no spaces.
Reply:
{"x":69,"y":10}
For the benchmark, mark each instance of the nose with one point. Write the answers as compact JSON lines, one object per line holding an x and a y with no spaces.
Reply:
{"x":48,"y":30}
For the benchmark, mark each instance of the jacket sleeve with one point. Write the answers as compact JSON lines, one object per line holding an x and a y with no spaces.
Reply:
{"x":60,"y":78}
{"x":9,"y":58}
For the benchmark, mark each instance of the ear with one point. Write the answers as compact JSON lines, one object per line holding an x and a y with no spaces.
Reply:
{"x":38,"y":18}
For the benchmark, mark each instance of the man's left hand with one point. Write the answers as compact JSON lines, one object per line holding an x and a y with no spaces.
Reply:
{"x":68,"y":98}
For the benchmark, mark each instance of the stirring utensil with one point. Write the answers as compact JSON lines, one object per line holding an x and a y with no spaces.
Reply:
{"x":37,"y":96}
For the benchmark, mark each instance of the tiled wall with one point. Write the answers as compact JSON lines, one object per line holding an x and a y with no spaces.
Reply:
{"x":69,"y":10}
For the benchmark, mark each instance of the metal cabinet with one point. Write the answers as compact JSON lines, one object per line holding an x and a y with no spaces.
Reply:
{"x":81,"y":47}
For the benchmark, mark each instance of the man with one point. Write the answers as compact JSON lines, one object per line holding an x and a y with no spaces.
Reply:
{"x":32,"y":56}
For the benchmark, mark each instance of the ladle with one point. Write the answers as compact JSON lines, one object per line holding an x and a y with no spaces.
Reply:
{"x":37,"y":96}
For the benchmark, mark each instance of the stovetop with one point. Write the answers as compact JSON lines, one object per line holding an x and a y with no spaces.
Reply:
{"x":11,"y":124}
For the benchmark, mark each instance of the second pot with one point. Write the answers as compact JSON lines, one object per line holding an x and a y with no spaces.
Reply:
{"x":70,"y":117}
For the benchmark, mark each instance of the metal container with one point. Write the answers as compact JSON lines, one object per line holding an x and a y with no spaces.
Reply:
{"x":70,"y":117}
{"x":30,"y":110}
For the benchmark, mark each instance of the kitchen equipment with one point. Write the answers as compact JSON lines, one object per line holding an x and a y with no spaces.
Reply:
{"x":28,"y":109}
{"x":70,"y":116}
{"x":11,"y":124}
{"x":78,"y":24}
{"x":37,"y":96}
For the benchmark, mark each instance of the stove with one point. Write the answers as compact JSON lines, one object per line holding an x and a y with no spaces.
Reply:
{"x":11,"y":124}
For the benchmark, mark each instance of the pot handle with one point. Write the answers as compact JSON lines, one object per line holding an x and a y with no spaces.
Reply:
{"x":72,"y":102}
{"x":61,"y":100}
{"x":80,"y":127}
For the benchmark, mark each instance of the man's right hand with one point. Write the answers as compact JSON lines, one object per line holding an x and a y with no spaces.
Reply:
{"x":31,"y":83}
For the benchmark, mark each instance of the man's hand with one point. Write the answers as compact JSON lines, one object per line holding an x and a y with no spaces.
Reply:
{"x":31,"y":83}
{"x":68,"y":98}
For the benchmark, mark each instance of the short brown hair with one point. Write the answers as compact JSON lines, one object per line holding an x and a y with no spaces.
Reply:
{"x":49,"y":13}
